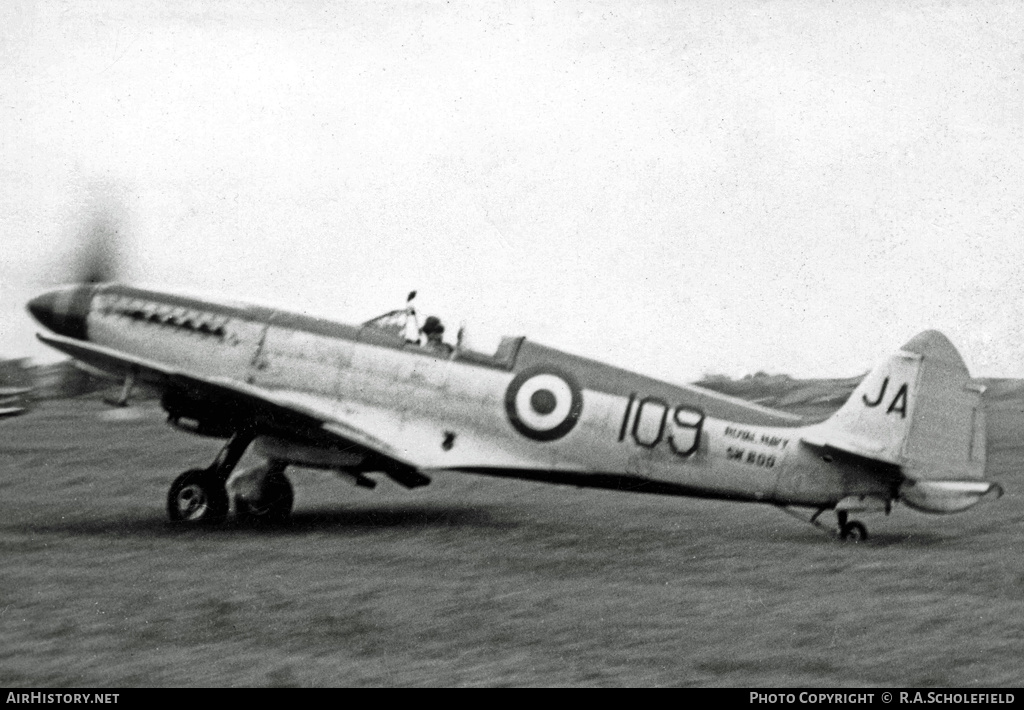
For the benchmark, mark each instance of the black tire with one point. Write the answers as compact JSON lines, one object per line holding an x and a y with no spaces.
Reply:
{"x":274,"y":507}
{"x":197,"y":497}
{"x":853,"y":532}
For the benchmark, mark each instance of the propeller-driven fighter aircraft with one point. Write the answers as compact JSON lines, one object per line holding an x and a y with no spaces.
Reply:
{"x":373,"y":398}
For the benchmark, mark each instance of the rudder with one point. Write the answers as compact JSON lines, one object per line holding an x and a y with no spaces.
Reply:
{"x":947,"y":437}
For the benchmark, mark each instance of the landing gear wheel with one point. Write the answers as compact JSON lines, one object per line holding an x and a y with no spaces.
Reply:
{"x":197,"y":497}
{"x":853,"y":532}
{"x":274,"y":506}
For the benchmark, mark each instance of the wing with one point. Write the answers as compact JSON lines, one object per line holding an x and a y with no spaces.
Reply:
{"x":413,"y":443}
{"x":260,"y":403}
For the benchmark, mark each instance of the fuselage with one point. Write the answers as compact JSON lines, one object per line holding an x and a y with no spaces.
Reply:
{"x":525,"y":410}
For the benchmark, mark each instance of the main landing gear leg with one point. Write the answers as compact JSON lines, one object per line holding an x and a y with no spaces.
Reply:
{"x":851,"y":531}
{"x":262,"y":494}
{"x":199,"y":496}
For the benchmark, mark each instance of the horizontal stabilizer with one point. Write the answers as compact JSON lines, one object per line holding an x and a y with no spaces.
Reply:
{"x":946,"y":496}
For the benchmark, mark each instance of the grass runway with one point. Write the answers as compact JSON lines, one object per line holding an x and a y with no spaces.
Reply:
{"x":480,"y":582}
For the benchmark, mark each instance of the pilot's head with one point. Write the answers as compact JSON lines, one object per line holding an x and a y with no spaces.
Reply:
{"x":432,"y":328}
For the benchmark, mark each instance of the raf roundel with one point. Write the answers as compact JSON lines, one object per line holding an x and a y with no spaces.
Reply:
{"x":543,"y":403}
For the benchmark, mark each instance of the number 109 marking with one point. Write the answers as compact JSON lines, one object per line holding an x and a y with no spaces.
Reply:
{"x":648,"y":420}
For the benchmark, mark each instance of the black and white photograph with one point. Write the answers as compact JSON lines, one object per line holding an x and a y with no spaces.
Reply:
{"x":540,"y":343}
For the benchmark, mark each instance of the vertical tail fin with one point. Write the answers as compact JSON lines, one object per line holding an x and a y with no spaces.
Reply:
{"x":919,"y":410}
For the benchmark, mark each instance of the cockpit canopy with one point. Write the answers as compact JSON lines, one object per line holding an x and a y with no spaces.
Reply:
{"x":401,"y":328}
{"x":392,"y":322}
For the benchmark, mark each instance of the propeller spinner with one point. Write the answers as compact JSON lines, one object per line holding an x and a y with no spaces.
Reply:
{"x":95,"y":260}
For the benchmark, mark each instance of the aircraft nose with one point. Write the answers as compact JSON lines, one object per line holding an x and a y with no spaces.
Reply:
{"x":64,"y":310}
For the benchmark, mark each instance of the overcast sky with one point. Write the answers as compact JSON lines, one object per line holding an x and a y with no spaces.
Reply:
{"x":676,"y":187}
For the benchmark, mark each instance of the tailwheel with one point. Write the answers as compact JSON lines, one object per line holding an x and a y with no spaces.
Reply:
{"x":853,"y":532}
{"x":197,"y":497}
{"x":274,"y":505}
{"x":850,"y":530}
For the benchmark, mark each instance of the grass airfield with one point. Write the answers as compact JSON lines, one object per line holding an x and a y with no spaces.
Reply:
{"x":481,"y":582}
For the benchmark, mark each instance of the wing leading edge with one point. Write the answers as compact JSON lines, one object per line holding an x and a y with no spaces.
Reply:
{"x":412,"y":443}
